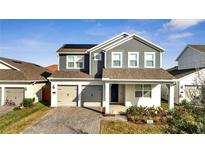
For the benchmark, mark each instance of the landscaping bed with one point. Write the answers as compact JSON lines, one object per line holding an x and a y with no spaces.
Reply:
{"x":122,"y":127}
{"x":16,"y":121}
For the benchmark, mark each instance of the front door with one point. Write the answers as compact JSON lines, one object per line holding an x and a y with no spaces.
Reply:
{"x":114,"y":93}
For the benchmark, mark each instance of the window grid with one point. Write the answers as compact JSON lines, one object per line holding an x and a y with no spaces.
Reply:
{"x":143,"y":91}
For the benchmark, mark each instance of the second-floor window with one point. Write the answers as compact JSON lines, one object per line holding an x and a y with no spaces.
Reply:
{"x":75,"y":62}
{"x":116,"y":59}
{"x":149,"y":59}
{"x":133,"y":59}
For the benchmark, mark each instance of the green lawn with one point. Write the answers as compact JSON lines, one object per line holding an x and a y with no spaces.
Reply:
{"x":122,"y":127}
{"x":16,"y":121}
{"x":164,"y":104}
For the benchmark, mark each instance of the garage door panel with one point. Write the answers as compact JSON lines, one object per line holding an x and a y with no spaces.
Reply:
{"x":92,"y":95}
{"x":67,"y":95}
{"x":14,"y":94}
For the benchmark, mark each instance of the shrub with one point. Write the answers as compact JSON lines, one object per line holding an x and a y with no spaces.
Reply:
{"x":141,"y":114}
{"x":183,"y":122}
{"x":28,"y":102}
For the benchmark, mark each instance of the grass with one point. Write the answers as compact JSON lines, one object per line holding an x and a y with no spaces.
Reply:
{"x":122,"y":127}
{"x":16,"y":121}
{"x":164,"y":104}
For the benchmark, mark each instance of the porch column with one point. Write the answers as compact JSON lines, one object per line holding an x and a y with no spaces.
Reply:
{"x":2,"y":96}
{"x":107,"y":98}
{"x":79,"y":95}
{"x":171,"y":97}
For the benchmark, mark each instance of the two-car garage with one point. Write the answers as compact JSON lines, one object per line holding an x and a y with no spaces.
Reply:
{"x":91,"y":95}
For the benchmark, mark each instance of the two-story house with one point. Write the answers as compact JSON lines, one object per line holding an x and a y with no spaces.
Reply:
{"x":189,"y":73}
{"x":126,"y":70}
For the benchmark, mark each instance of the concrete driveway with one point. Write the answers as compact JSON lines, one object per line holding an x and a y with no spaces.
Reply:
{"x":5,"y":109}
{"x":67,"y":120}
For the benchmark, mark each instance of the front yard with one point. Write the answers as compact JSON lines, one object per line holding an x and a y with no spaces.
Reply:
{"x":122,"y":127}
{"x":16,"y":121}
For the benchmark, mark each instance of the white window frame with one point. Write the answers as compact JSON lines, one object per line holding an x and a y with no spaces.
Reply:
{"x":145,"y":59}
{"x":95,"y":54}
{"x":143,"y":90}
{"x":120,"y":59}
{"x":75,"y":59}
{"x":137,"y":53}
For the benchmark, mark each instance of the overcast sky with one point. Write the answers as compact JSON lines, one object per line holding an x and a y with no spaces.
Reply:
{"x":37,"y":40}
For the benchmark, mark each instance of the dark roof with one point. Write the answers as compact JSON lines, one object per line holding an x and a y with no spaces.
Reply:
{"x":75,"y":47}
{"x":133,"y":73}
{"x":27,"y":71}
{"x":198,"y":47}
{"x":181,"y":73}
{"x":73,"y":74}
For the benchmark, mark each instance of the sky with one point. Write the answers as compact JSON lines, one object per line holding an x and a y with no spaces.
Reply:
{"x":38,"y":40}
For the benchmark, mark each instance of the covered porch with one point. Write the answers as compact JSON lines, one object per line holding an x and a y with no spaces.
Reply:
{"x":119,"y":95}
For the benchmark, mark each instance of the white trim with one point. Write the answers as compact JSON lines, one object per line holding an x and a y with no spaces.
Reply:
{"x":23,"y":81}
{"x":140,"y":80}
{"x":145,"y":64}
{"x":120,"y":59}
{"x":75,"y":79}
{"x":109,"y":47}
{"x":105,"y":59}
{"x":137,"y":53}
{"x":161,"y":59}
{"x":71,"y":53}
{"x":95,"y":54}
{"x":58,"y":61}
{"x":75,"y":67}
{"x":107,"y":41}
{"x":10,"y":65}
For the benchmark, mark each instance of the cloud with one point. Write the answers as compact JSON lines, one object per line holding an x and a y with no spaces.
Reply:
{"x":179,"y":36}
{"x":181,"y":24}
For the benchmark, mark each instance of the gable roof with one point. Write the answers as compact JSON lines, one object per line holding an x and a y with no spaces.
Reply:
{"x":75,"y":48}
{"x":137,"y":74}
{"x":103,"y":44}
{"x":26,"y":71}
{"x":199,"y":48}
{"x":181,"y":73}
{"x":137,"y":37}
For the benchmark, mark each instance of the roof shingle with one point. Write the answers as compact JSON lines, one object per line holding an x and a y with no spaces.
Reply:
{"x":28,"y":71}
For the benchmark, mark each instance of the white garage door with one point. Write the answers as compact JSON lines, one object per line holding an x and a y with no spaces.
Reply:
{"x":92,"y":95}
{"x":67,"y":96}
{"x":14,"y":94}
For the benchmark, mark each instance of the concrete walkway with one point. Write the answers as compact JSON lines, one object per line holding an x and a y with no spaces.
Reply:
{"x":5,"y":109}
{"x":67,"y":120}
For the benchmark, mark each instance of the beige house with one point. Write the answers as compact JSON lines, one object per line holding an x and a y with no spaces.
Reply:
{"x":19,"y":80}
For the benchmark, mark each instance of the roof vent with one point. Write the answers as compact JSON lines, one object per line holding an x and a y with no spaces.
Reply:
{"x":17,"y":62}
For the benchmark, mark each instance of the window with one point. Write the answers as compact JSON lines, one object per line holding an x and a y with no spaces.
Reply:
{"x":149,"y":59}
{"x":97,"y":56}
{"x":75,"y":62}
{"x":143,"y":90}
{"x":116,"y":59}
{"x":133,"y":59}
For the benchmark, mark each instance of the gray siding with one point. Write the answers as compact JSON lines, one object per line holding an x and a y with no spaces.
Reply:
{"x":62,"y":63}
{"x":191,"y":58}
{"x":132,"y":46}
{"x":97,"y":66}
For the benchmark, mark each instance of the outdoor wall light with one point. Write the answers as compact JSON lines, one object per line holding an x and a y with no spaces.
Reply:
{"x":53,"y":87}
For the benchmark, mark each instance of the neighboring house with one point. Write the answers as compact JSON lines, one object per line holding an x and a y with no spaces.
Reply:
{"x":52,"y":68}
{"x":20,"y":80}
{"x":189,"y":73}
{"x":125,"y":70}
